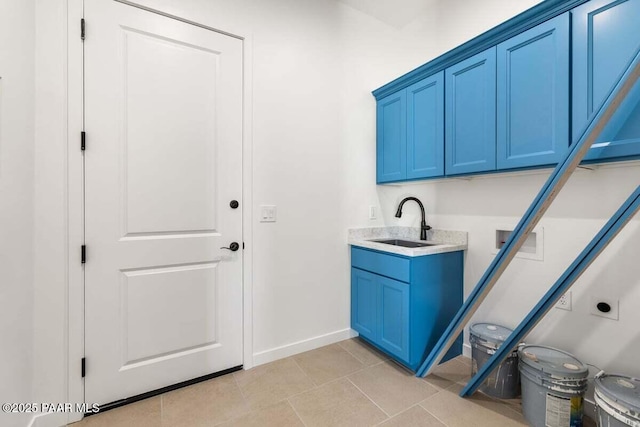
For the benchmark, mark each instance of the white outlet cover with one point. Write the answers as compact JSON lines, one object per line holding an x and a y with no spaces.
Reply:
{"x":564,"y":303}
{"x":613,"y":303}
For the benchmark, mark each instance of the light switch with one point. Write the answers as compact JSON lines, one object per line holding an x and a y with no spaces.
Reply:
{"x":267,"y":213}
{"x":373,"y":212}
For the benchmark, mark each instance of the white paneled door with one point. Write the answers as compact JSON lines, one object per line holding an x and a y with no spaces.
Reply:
{"x":163,"y":118}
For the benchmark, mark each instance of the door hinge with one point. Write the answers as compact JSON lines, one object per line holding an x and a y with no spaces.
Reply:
{"x":83,"y":254}
{"x":82,"y":29}
{"x":83,"y":367}
{"x":83,"y":140}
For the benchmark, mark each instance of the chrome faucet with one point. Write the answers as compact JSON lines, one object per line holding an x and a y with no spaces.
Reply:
{"x":423,"y":225}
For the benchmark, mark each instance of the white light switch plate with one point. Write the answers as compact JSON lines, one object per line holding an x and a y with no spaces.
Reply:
{"x":267,"y":213}
{"x":373,"y":212}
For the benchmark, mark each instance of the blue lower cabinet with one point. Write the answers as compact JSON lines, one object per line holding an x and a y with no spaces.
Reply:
{"x":364,"y":303}
{"x":393,"y":316}
{"x":403,"y":311}
{"x":533,"y":96}
{"x":605,"y":39}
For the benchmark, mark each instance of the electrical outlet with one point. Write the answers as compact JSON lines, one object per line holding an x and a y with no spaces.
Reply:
{"x":604,"y":307}
{"x":564,"y":303}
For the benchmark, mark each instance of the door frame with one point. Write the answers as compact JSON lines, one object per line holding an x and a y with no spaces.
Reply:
{"x":75,"y":191}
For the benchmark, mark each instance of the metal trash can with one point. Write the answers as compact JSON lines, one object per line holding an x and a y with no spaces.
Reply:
{"x":618,"y":400}
{"x":504,"y":381}
{"x":553,"y":386}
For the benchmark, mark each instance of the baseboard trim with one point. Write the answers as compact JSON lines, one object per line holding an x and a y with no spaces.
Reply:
{"x":466,"y":350}
{"x":301,"y":346}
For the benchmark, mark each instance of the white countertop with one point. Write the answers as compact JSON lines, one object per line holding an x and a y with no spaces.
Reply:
{"x":445,"y":240}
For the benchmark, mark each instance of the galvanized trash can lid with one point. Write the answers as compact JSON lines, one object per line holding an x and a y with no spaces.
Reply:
{"x":625,"y":391}
{"x":552,"y":361}
{"x":490,"y":332}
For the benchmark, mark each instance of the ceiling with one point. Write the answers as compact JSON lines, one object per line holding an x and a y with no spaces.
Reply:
{"x":396,"y":13}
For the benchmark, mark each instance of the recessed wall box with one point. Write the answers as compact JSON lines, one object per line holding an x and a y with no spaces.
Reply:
{"x":532,"y":247}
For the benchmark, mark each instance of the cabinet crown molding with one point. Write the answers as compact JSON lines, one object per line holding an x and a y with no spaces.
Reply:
{"x":528,"y":19}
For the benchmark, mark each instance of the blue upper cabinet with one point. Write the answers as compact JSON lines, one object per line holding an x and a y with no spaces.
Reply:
{"x":471,"y":115}
{"x":410,"y":132}
{"x":605,"y":39}
{"x":425,"y":128}
{"x":533,"y":96}
{"x":392,"y":138}
{"x":514,"y":97}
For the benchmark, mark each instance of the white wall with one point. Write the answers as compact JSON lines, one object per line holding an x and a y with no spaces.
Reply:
{"x":480,"y":204}
{"x":50,"y":204}
{"x":300,"y":263}
{"x":16,"y":203}
{"x":298,"y":289}
{"x":314,"y":65}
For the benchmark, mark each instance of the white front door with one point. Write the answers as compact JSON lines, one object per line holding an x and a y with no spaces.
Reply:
{"x":163,"y":117}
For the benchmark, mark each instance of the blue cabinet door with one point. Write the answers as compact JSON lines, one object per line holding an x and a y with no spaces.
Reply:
{"x":364,"y":296}
{"x":391,"y":135}
{"x":533,"y":96}
{"x":470,"y":130}
{"x":393,"y":317}
{"x":605,"y":39}
{"x":425,"y":128}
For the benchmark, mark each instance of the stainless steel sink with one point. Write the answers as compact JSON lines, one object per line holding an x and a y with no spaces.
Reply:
{"x":404,"y":243}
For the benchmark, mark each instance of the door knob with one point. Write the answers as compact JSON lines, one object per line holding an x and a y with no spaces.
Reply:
{"x":234,"y":246}
{"x":234,"y":204}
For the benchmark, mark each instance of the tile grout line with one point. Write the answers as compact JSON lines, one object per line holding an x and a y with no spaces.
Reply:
{"x":162,"y":408}
{"x":303,"y":372}
{"x":432,"y":414}
{"x":435,"y":394}
{"x":285,"y":399}
{"x":370,"y":399}
{"x":363,"y":367}
{"x":316,"y":385}
{"x":235,"y":380}
{"x":383,"y":357}
{"x":351,"y":353}
{"x":490,"y":398}
{"x":244,"y":398}
{"x":347,"y":350}
{"x":399,"y":413}
{"x":295,"y":412}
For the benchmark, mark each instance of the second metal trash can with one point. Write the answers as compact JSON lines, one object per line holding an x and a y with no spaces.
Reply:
{"x":504,"y":381}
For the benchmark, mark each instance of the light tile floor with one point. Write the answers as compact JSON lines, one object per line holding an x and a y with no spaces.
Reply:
{"x":343,"y":384}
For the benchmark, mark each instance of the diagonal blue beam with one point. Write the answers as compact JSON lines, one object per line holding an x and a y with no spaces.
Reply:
{"x":603,"y":118}
{"x":611,"y":229}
